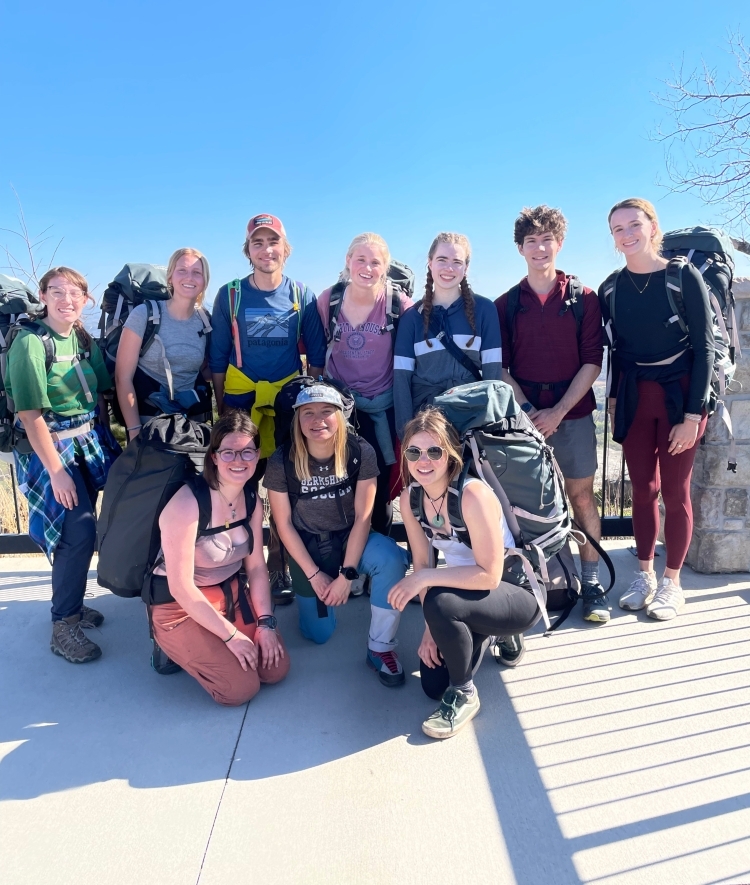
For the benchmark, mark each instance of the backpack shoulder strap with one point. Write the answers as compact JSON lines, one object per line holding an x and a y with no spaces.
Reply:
{"x":200,"y":488}
{"x":293,"y":485}
{"x":334,"y":309}
{"x":353,"y":457}
{"x":205,"y":320}
{"x":43,"y":333}
{"x":575,"y":301}
{"x":153,"y":319}
{"x":392,"y":308}
{"x":511,"y":309}
{"x":674,"y":292}
{"x":454,"y":350}
{"x":455,"y":511}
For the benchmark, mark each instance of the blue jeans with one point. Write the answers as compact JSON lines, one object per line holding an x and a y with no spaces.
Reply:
{"x":72,"y":556}
{"x":386,"y":563}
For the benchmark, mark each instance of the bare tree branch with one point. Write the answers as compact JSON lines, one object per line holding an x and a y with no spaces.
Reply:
{"x":33,"y":266}
{"x":707,"y":136}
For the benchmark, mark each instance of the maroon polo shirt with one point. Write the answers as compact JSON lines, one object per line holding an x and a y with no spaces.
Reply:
{"x":545,"y":345}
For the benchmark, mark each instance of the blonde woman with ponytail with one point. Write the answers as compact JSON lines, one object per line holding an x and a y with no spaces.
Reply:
{"x":453,"y":337}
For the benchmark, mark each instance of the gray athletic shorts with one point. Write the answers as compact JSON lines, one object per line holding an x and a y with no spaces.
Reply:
{"x":574,"y":443}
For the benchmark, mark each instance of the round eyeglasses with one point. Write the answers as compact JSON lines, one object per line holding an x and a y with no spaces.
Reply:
{"x":229,"y":455}
{"x":434,"y":453}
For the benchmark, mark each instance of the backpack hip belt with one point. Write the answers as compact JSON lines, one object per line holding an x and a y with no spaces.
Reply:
{"x":72,"y":432}
{"x":557,"y":387}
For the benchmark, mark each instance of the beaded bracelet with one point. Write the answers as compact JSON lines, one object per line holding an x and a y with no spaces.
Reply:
{"x":229,"y":638}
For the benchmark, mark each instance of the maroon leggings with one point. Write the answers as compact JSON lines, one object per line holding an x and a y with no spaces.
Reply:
{"x":651,"y":470}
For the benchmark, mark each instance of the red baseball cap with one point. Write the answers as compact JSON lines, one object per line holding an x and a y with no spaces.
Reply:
{"x":269,"y":221}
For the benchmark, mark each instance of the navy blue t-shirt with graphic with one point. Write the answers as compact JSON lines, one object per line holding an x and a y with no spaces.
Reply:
{"x":269,"y":328}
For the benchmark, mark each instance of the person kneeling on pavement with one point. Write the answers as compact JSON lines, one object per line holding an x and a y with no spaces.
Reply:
{"x":206,"y":624}
{"x":321,"y":486}
{"x":479,"y":596}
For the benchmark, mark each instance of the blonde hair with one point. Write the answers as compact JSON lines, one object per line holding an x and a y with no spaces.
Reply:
{"x":300,"y":453}
{"x":434,"y":422}
{"x":466,"y":292}
{"x":172,"y":265}
{"x":75,"y":279}
{"x":648,"y":210}
{"x":367,"y":239}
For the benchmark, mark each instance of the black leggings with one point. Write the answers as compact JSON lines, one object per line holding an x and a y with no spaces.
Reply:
{"x":382,"y":511}
{"x":461,"y":620}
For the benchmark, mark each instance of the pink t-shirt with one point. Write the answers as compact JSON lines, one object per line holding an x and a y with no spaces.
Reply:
{"x":363,"y":357}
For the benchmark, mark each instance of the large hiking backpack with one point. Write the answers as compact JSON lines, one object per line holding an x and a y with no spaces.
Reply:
{"x":502,"y":447}
{"x":400,"y":281}
{"x":134,"y":285}
{"x":168,"y":451}
{"x":18,"y":307}
{"x":287,"y":396}
{"x":711,"y":252}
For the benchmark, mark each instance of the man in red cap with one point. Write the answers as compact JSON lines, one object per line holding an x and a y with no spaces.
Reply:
{"x":257,"y":325}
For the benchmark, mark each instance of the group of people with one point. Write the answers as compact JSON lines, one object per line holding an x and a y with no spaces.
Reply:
{"x":330,"y":486}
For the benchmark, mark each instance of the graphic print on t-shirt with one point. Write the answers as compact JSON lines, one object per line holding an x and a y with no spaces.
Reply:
{"x":267,"y":328}
{"x":319,"y":482}
{"x":353,"y":340}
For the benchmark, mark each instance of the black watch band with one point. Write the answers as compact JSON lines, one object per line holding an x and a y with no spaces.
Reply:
{"x":268,"y":621}
{"x":349,"y":572}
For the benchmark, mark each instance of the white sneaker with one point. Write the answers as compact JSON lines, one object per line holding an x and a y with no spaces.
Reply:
{"x":667,"y":602}
{"x":640,"y":592}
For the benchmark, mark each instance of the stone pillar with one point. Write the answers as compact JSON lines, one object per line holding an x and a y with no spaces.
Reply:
{"x":721,"y":537}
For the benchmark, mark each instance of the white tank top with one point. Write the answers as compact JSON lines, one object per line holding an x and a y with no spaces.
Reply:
{"x":456,"y":553}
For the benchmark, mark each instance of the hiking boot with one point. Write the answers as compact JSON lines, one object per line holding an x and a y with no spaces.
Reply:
{"x":388,"y":667}
{"x":667,"y":602}
{"x":509,"y":649}
{"x":70,"y":642}
{"x":639,"y":593}
{"x":90,"y":617}
{"x":161,"y":663}
{"x":595,"y":608}
{"x":455,"y":710}
{"x":282,"y":591}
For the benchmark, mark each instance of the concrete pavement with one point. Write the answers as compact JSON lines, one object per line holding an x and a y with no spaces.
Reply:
{"x":614,"y":754}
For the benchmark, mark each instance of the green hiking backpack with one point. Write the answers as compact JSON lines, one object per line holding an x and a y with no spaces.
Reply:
{"x":503,"y":448}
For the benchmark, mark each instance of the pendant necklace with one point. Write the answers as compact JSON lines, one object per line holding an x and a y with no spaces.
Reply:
{"x":640,"y":291}
{"x":437,"y":520}
{"x":231,"y":507}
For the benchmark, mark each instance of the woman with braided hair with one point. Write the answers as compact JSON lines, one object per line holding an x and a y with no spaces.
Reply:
{"x":453,"y":337}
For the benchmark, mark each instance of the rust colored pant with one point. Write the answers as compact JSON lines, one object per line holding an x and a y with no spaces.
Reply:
{"x":206,"y":658}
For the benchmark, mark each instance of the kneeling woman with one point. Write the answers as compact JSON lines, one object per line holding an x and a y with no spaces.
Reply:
{"x":471,"y":601}
{"x":208,"y":628}
{"x":322,"y":491}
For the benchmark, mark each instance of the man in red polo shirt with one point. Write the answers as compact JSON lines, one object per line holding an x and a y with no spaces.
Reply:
{"x":551,"y":329}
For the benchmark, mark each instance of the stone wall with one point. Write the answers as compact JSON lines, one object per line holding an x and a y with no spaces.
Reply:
{"x":721,"y":538}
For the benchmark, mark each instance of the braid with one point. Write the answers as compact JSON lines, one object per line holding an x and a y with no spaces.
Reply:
{"x":429,"y":291}
{"x":468,"y":297}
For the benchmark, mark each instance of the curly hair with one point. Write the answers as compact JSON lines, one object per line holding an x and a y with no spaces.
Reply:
{"x":75,"y":279}
{"x":539,"y":220}
{"x":466,"y":292}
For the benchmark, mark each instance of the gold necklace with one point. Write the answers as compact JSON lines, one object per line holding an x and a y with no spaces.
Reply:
{"x":640,"y":291}
{"x":231,"y":507}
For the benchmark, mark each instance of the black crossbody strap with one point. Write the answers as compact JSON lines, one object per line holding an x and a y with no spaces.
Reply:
{"x":453,"y":349}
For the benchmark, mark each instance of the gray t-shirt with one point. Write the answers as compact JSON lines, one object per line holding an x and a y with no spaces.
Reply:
{"x":184,"y":344}
{"x":321,"y":512}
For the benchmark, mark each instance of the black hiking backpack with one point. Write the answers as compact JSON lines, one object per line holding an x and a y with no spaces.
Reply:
{"x":287,"y":396}
{"x":712,"y":253}
{"x":169,"y":450}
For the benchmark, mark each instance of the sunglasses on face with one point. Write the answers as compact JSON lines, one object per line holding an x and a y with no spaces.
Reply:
{"x":228,"y":455}
{"x":434,"y":453}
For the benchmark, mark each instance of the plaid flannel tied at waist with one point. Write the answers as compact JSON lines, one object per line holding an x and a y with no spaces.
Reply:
{"x":97,"y":448}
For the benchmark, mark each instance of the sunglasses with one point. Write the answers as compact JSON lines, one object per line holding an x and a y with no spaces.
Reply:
{"x":434,"y":453}
{"x":228,"y":455}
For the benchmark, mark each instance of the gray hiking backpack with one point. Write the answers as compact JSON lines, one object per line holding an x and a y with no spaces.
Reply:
{"x":503,"y":448}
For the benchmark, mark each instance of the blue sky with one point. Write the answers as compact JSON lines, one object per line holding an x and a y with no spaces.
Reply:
{"x":134,"y":129}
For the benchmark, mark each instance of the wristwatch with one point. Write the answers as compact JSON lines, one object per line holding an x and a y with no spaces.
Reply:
{"x":526,"y":407}
{"x":268,"y":621}
{"x":350,"y":573}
